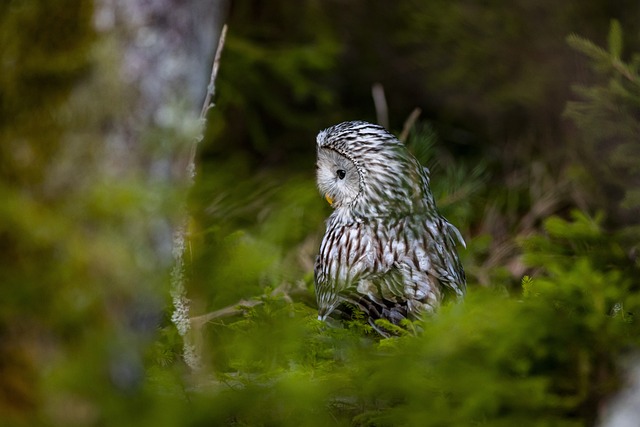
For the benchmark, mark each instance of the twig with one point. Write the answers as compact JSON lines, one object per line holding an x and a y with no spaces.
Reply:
{"x":181,"y":303}
{"x":409,"y":123}
{"x":239,"y":308}
{"x":284,"y":291}
{"x":211,"y":89}
{"x":208,"y":100}
{"x":380,"y":103}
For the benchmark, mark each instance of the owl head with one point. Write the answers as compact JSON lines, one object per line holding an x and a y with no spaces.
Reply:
{"x":365,"y":170}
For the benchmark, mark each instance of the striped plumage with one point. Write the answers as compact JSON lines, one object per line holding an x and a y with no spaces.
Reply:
{"x":386,"y":251}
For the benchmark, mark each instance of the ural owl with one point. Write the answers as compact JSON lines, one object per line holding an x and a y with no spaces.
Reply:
{"x":386,"y":251}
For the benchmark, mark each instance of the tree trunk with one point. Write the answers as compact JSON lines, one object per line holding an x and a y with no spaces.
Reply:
{"x":100,"y":108}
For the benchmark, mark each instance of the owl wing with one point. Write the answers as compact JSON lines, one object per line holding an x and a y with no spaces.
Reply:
{"x":443,"y":256}
{"x":353,"y":267}
{"x":325,"y":293}
{"x":392,"y":271}
{"x":400,"y":293}
{"x":415,"y":265}
{"x":343,"y":260}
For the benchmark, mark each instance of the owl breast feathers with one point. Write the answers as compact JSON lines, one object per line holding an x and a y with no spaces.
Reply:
{"x":386,"y":251}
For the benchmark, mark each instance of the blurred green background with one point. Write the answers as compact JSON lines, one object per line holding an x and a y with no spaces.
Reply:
{"x":530,"y":124}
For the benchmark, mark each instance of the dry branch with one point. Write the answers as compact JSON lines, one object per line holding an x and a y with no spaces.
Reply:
{"x":208,"y":101}
{"x":380,"y":103}
{"x":409,"y":123}
{"x":233,"y":310}
{"x":181,"y":302}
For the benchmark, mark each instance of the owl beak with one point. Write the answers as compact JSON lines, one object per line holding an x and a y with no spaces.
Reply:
{"x":328,"y":199}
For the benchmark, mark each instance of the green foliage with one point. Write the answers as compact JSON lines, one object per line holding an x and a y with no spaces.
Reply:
{"x":546,"y":358}
{"x":35,"y":266}
{"x":273,"y":80}
{"x":83,"y":280}
{"x":253,"y":233}
{"x":615,"y":39}
{"x":80,"y":341}
{"x":582,"y":253}
{"x":456,"y":185}
{"x":607,"y":116}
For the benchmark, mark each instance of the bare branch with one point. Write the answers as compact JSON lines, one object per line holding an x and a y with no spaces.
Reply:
{"x":211,"y":89}
{"x":380,"y":103}
{"x":409,"y":123}
{"x":208,"y":101}
{"x":284,"y":291}
{"x":239,"y":308}
{"x":181,"y":302}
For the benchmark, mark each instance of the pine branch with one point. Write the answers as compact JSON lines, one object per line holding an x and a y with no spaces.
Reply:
{"x":599,"y":54}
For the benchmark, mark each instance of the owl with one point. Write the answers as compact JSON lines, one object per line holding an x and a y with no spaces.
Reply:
{"x":386,"y":251}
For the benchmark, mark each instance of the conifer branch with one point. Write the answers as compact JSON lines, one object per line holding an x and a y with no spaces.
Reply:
{"x":623,"y":69}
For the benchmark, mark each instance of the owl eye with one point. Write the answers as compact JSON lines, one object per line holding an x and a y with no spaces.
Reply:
{"x":341,"y":173}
